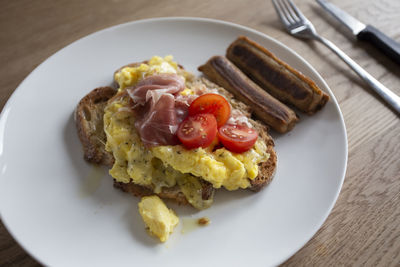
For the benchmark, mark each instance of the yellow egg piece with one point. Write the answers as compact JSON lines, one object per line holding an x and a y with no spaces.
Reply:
{"x":186,"y":92}
{"x":159,"y":220}
{"x":129,"y":76}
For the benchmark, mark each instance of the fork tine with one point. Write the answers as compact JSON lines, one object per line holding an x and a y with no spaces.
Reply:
{"x":285,"y":10}
{"x":295,"y":22}
{"x":296,"y":10}
{"x":281,"y":13}
{"x":290,"y":12}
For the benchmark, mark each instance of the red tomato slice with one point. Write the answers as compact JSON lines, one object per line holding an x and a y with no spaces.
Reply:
{"x":197,"y":131}
{"x":237,"y":138}
{"x":213,"y":104}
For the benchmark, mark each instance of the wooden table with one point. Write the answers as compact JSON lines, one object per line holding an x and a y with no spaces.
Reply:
{"x":364,"y":226}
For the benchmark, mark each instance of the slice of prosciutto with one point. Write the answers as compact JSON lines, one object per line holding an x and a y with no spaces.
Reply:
{"x":159,"y":108}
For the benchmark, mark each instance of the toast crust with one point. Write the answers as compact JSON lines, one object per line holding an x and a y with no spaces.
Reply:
{"x":266,"y":169}
{"x":89,"y":123}
{"x":172,"y":193}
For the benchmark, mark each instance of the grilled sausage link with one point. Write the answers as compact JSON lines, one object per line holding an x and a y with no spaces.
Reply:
{"x":275,"y":76}
{"x":268,"y":109}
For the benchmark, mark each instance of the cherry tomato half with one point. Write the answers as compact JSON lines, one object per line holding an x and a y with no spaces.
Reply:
{"x":237,"y":138}
{"x":214,"y":104}
{"x":198,"y":130}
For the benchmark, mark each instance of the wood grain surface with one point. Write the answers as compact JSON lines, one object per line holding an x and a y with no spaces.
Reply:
{"x":364,"y":227}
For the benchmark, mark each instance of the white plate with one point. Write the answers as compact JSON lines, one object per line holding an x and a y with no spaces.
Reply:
{"x":54,"y":205}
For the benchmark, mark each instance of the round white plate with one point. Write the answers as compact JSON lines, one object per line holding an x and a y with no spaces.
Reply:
{"x":66,"y":213}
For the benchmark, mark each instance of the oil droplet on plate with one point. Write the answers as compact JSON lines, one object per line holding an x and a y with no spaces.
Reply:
{"x":191,"y":224}
{"x":92,"y":181}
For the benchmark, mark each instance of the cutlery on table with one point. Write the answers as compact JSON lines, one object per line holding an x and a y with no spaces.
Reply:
{"x":364,"y":32}
{"x":298,"y":25}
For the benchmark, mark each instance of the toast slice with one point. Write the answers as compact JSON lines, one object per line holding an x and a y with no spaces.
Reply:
{"x":89,"y":122}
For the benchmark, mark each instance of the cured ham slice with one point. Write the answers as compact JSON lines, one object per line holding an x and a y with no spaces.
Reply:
{"x":154,"y":86}
{"x":159,"y":108}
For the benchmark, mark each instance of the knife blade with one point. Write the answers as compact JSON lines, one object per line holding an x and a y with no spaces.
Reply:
{"x":364,"y":32}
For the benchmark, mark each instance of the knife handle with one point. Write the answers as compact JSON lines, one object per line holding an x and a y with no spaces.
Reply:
{"x":380,"y":40}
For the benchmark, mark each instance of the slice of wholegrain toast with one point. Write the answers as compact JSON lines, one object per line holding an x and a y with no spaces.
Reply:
{"x":89,"y":122}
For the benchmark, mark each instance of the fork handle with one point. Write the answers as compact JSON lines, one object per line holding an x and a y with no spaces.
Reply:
{"x":387,"y":95}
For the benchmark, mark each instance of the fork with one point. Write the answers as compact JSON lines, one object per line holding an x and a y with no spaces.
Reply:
{"x":298,"y":25}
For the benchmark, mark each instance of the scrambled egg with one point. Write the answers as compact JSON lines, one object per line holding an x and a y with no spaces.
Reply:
{"x":166,"y":166}
{"x":221,"y":167}
{"x":160,"y":220}
{"x":129,"y":76}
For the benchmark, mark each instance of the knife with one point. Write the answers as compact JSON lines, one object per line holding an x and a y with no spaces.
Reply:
{"x":364,"y":32}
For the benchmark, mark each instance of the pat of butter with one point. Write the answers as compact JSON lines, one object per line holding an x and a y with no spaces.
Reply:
{"x":160,"y":220}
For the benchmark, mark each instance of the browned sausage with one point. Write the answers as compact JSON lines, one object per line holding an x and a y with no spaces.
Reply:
{"x":272,"y":112}
{"x":275,"y":76}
